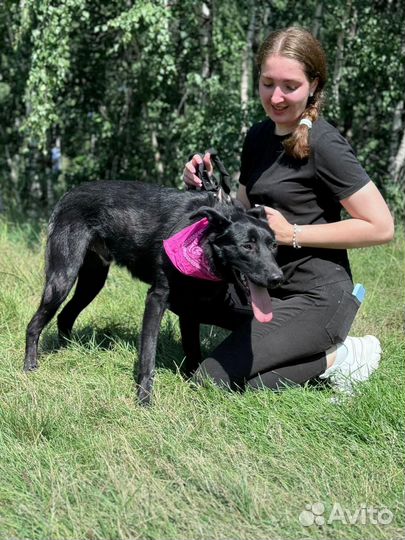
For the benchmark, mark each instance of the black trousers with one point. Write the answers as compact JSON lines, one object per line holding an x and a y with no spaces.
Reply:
{"x":289,"y":350}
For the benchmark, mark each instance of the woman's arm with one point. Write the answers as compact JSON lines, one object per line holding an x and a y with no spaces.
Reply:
{"x":370,"y":224}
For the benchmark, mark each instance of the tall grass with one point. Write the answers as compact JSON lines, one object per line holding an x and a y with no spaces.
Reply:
{"x":80,"y":459}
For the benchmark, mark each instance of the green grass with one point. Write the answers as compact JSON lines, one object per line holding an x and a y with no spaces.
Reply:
{"x":80,"y":459}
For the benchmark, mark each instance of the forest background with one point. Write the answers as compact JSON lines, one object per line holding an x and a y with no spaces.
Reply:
{"x":95,"y":89}
{"x":129,"y":89}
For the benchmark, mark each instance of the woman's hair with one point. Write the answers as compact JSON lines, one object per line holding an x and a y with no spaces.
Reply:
{"x":299,"y":44}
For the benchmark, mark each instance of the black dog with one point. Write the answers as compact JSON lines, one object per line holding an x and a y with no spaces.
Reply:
{"x":126,"y":222}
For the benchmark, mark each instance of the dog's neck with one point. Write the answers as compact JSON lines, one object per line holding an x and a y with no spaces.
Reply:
{"x":187,"y":250}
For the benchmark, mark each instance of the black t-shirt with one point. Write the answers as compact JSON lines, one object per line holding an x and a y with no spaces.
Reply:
{"x":305,"y":192}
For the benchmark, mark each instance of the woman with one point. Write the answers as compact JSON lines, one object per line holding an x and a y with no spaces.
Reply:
{"x":303,"y":172}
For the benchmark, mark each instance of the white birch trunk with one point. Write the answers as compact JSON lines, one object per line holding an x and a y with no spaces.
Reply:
{"x":398,"y":165}
{"x":206,"y":38}
{"x":316,"y":27}
{"x":247,"y":60}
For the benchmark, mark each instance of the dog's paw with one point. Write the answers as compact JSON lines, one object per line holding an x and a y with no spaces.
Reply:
{"x":145,"y":393}
{"x":144,"y":398}
{"x":29,"y":367}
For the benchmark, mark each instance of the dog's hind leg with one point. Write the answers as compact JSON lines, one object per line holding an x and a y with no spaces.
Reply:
{"x":91,"y":280}
{"x":190,"y":338}
{"x":64,"y":257}
{"x":156,"y":303}
{"x":56,"y":290}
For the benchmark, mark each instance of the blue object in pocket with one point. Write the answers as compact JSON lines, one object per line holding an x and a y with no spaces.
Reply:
{"x":339,"y":325}
{"x":359,"y":292}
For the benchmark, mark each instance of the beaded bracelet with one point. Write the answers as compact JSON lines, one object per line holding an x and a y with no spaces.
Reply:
{"x":295,"y":243}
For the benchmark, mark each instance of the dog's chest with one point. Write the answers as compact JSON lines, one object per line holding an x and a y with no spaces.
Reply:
{"x":186,"y":293}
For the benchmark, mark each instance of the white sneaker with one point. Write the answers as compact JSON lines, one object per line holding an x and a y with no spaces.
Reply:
{"x":362,"y":358}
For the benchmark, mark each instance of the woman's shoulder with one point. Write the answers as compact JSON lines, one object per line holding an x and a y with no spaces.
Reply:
{"x":322,"y":131}
{"x":322,"y":128}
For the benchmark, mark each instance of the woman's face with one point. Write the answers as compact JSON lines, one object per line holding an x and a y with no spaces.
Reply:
{"x":284,"y":90}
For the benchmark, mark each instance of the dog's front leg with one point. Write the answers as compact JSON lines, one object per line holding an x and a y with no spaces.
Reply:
{"x":156,"y":303}
{"x":190,"y":338}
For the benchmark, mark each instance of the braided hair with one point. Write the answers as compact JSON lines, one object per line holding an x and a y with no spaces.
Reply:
{"x":299,"y":44}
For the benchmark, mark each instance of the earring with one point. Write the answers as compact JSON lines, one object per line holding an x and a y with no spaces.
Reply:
{"x":311,"y":94}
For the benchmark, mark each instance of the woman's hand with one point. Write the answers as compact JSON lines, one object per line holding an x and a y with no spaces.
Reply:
{"x":189,"y":176}
{"x":283,"y":230}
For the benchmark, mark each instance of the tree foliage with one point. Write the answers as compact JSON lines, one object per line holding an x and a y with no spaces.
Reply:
{"x":128,"y":89}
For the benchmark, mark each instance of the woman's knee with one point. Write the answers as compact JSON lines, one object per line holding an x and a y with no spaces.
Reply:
{"x":212,"y":370}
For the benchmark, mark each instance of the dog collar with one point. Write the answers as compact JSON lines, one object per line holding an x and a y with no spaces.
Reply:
{"x":186,"y":254}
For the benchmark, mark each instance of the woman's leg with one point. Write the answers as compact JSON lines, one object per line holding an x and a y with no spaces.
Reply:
{"x":289,"y":348}
{"x":287,"y":376}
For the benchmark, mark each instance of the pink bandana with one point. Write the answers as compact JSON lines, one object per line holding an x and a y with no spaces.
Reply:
{"x":185,"y":251}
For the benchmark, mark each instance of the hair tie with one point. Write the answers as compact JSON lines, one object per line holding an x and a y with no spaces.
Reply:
{"x":305,"y":122}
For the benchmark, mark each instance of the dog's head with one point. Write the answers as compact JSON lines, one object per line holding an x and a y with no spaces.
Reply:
{"x":244,"y":247}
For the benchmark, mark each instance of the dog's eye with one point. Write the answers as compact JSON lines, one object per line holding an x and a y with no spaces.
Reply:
{"x":248,"y":246}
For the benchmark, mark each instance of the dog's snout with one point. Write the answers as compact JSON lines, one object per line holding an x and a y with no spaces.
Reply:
{"x":276,"y":278}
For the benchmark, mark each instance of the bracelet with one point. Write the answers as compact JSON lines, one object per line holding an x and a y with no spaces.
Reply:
{"x":295,"y":243}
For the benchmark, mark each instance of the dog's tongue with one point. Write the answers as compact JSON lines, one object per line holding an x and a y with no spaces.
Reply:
{"x":261,"y":303}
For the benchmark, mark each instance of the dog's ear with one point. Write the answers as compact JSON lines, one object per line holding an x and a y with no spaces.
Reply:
{"x":214,"y":217}
{"x":257,"y":212}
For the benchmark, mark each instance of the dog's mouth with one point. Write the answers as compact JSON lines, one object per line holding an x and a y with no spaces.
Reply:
{"x":260,"y":299}
{"x":261,"y":302}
